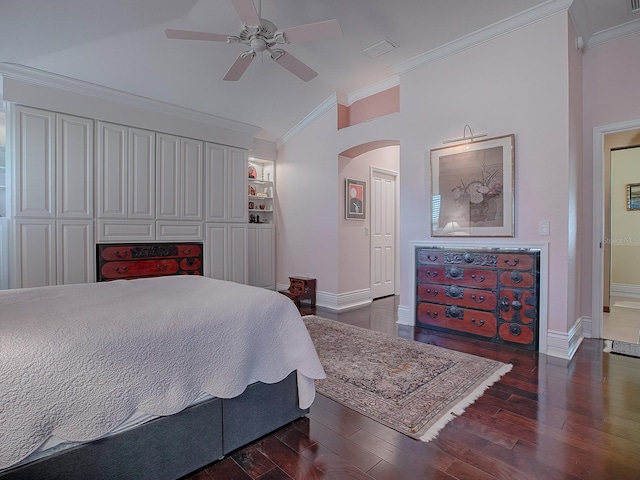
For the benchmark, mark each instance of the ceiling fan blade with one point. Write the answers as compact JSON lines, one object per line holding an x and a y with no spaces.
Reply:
{"x":296,"y":67}
{"x":239,"y":66}
{"x":326,"y":30}
{"x":190,"y":35}
{"x":246,"y":10}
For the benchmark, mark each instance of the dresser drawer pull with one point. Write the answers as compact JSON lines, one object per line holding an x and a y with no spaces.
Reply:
{"x":468,"y":257}
{"x":122,"y":269}
{"x":455,"y":273}
{"x":514,"y":262}
{"x":432,"y":258}
{"x":454,"y":312}
{"x":186,"y":251}
{"x":516,"y":305}
{"x":516,"y":277}
{"x":431,"y":314}
{"x":429,"y":273}
{"x":477,"y":323}
{"x":478,"y":299}
{"x":515,"y":329}
{"x":433,"y":293}
{"x":121,"y":255}
{"x":162,"y":267}
{"x":454,"y":292}
{"x":478,"y":279}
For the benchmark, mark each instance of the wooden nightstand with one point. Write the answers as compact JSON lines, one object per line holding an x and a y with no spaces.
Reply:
{"x":301,"y":288}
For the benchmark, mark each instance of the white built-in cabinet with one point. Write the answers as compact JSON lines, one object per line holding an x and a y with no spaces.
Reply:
{"x":149,"y":186}
{"x":260,"y":257}
{"x":53,"y":207}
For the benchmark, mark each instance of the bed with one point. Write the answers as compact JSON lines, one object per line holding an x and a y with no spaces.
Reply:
{"x":199,"y":367}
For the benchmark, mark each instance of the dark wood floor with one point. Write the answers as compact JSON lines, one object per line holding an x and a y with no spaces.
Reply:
{"x":546,"y":419}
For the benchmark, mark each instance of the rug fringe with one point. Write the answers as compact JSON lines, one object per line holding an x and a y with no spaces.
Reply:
{"x":461,"y":406}
{"x":608,"y":345}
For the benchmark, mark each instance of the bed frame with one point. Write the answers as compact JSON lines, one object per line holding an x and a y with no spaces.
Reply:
{"x":174,"y":446}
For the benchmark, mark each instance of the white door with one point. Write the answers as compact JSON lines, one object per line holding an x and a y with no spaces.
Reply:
{"x":383,"y":233}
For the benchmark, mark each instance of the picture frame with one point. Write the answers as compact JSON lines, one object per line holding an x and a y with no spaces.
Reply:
{"x":355,"y":196}
{"x":472,"y":188}
{"x":633,"y":196}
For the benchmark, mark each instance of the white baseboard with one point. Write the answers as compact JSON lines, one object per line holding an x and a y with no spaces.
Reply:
{"x":404,"y":315}
{"x":564,"y":345}
{"x":338,"y":302}
{"x":623,"y":290}
{"x":587,"y":327}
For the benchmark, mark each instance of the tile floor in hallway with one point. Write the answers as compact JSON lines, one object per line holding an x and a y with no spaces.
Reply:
{"x":622,"y":323}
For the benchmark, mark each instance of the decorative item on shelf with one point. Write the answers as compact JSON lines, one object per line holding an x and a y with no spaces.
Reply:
{"x":252,"y":172}
{"x":262,"y":206}
{"x":252,"y":218}
{"x":252,"y":191}
{"x":251,"y":206}
{"x":261,"y":195}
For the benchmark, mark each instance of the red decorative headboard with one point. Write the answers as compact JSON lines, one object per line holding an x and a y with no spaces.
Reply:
{"x":127,"y":261}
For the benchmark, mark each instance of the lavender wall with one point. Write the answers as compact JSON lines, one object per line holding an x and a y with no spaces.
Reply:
{"x":517,"y":83}
{"x":610,"y":81}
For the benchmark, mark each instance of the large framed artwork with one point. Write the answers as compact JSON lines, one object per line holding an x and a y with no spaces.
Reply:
{"x":355,"y":194}
{"x":472,"y":189}
{"x":633,"y":196}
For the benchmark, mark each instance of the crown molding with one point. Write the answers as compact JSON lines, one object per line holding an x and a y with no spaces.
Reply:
{"x":515,"y":22}
{"x":317,"y":112}
{"x":47,"y":79}
{"x":377,"y":87}
{"x":604,"y":36}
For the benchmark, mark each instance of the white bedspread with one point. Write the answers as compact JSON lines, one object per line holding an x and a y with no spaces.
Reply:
{"x":77,"y":360}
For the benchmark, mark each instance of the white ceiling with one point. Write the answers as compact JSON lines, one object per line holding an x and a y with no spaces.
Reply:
{"x":121,"y":44}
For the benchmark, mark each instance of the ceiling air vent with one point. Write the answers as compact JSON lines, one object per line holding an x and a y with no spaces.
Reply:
{"x":635,"y":6}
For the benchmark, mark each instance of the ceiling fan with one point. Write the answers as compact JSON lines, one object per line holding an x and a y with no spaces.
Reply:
{"x":261,"y":35}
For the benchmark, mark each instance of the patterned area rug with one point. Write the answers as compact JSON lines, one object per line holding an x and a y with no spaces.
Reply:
{"x":621,"y":348}
{"x":409,"y":386}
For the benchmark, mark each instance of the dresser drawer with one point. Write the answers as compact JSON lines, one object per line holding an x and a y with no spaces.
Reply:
{"x":469,"y":277}
{"x":456,"y":295}
{"x":459,"y":319}
{"x":516,"y":278}
{"x":516,"y":261}
{"x":518,"y":305}
{"x":139,"y":268}
{"x":516,"y":333}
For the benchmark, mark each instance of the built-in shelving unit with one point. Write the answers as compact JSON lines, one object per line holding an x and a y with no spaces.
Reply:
{"x":260,"y":191}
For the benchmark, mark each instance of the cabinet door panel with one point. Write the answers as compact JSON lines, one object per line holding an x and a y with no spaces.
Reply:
{"x":76,"y":256}
{"x":168,"y":175}
{"x":112,"y":170}
{"x":237,"y":253}
{"x":191,"y":208}
{"x":238,"y":186}
{"x":266,"y":257}
{"x":142,"y":174}
{"x":74,"y":160}
{"x":216,"y":251}
{"x":35,"y":163}
{"x":35,"y":254}
{"x":216,"y":183}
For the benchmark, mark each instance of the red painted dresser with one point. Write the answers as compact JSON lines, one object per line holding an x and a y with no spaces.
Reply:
{"x":491,"y":294}
{"x":128,"y":261}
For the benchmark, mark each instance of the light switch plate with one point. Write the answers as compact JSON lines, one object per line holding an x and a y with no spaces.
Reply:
{"x":543,"y":227}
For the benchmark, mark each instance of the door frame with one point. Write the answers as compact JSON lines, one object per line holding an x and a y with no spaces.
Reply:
{"x":597,"y":253}
{"x":396,"y":227}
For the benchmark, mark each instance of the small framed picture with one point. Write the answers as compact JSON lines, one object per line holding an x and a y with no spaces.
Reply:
{"x":355,"y":194}
{"x":633,"y":196}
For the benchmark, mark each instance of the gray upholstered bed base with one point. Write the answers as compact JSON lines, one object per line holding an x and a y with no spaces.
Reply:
{"x":174,"y":446}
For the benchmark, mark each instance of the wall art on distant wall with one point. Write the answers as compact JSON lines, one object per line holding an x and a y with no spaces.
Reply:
{"x":633,"y":196}
{"x":472,"y":189}
{"x":355,"y":199}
